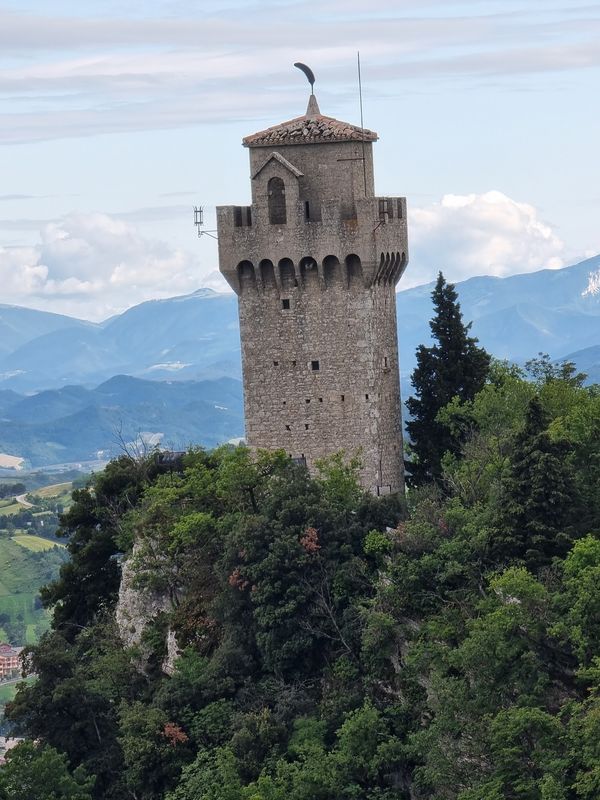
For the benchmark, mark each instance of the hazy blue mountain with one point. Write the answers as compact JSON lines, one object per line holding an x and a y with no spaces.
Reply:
{"x":78,"y":424}
{"x":71,"y":389}
{"x":191,"y":337}
{"x":196,"y":337}
{"x":8,"y":399}
{"x":21,"y":325}
{"x":587,"y":361}
{"x":553,"y":311}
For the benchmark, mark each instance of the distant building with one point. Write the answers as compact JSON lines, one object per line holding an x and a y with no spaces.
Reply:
{"x":10,"y":661}
{"x":315,"y":261}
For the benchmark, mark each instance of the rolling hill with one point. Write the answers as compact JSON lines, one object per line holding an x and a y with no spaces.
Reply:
{"x":70,"y":390}
{"x":78,"y":424}
{"x":196,"y":337}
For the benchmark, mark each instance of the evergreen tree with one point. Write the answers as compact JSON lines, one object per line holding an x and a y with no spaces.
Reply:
{"x":538,"y":498}
{"x":452,"y":367}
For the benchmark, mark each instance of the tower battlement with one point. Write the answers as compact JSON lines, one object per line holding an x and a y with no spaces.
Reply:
{"x":314,"y":261}
{"x":371,"y":231}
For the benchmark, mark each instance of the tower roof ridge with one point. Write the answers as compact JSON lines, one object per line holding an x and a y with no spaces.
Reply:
{"x":311,"y":128}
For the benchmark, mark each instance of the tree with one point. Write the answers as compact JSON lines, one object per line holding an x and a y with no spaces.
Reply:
{"x":89,"y":581}
{"x":41,"y":773}
{"x":539,"y":497}
{"x":452,"y":367}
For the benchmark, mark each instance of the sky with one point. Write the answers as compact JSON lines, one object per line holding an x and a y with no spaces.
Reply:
{"x":117,"y":118}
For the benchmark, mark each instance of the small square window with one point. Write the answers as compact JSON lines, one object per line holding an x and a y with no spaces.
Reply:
{"x":276,"y":363}
{"x":320,"y":399}
{"x":293,"y":363}
{"x":307,"y":400}
{"x":315,"y":366}
{"x":287,"y":427}
{"x":285,"y":304}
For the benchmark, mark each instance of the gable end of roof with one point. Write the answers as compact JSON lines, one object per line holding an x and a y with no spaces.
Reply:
{"x":283,"y":161}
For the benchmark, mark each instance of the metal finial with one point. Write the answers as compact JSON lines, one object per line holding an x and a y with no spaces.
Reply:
{"x":309,"y":74}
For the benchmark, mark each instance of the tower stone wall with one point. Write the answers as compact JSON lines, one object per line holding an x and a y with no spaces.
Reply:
{"x":314,"y":261}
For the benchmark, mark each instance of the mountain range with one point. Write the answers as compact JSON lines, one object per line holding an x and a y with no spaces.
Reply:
{"x":78,"y":424}
{"x":177,"y":361}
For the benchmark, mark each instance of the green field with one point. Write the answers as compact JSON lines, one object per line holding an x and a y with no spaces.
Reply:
{"x":19,"y":572}
{"x":10,"y":508}
{"x":22,"y":572}
{"x":35,"y":543}
{"x":57,"y":490}
{"x":7,"y":693}
{"x":20,"y":605}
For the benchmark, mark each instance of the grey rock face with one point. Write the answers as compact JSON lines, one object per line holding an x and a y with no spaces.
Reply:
{"x":136,"y":608}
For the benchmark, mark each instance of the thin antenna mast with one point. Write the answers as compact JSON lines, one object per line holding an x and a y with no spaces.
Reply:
{"x":362,"y":126}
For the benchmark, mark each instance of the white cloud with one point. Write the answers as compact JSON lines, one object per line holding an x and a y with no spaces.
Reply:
{"x":101,"y":75}
{"x":479,"y":234}
{"x":94,"y":265}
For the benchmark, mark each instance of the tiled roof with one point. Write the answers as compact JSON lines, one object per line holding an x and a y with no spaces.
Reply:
{"x":313,"y":127}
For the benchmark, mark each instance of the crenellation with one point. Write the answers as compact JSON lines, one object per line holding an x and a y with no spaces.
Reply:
{"x":314,"y":261}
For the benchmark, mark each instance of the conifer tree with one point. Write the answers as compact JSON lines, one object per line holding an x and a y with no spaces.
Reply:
{"x":539,"y":497}
{"x":452,"y":367}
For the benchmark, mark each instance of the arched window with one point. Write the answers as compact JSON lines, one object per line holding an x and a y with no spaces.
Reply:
{"x":354,"y":269}
{"x":267,"y":274}
{"x":331,"y":270}
{"x":287,"y":274}
{"x":246,"y":275}
{"x":276,"y":194}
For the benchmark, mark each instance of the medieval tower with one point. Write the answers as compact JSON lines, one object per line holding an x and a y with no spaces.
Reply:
{"x":314,"y":261}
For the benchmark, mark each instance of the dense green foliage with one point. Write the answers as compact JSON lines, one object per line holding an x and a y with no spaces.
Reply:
{"x":452,"y":367}
{"x":36,"y":772}
{"x":22,"y":572}
{"x":334,"y":645}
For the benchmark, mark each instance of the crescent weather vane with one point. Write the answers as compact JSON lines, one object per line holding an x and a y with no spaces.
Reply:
{"x":309,"y":74}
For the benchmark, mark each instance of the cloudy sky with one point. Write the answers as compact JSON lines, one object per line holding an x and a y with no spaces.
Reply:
{"x":115,"y":118}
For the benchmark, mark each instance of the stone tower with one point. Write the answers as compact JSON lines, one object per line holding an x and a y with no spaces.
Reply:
{"x":314,"y":261}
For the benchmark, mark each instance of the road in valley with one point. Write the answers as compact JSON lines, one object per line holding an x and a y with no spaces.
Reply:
{"x":20,"y":498}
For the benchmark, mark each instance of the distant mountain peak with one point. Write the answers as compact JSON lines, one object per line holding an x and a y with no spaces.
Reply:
{"x":593,"y":287}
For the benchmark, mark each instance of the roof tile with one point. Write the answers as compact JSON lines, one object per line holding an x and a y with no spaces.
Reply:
{"x":310,"y":128}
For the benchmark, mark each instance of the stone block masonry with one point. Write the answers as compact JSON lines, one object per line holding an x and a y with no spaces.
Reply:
{"x":314,"y":261}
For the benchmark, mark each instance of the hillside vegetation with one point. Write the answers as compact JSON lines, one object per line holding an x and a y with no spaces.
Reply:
{"x":334,"y":645}
{"x":23,"y":569}
{"x":29,"y":558}
{"x":231,"y":628}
